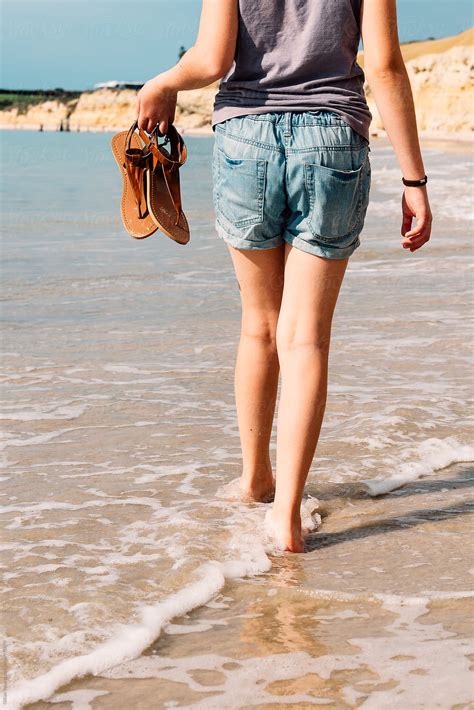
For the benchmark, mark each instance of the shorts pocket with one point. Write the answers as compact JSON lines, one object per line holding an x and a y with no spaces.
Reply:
{"x":240,"y":189}
{"x":335,"y":200}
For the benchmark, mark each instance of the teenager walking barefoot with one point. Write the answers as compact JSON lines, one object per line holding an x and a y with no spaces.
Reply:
{"x":292,"y":180}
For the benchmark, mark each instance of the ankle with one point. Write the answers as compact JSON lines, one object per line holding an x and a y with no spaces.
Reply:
{"x":257,"y":475}
{"x":289,"y":516}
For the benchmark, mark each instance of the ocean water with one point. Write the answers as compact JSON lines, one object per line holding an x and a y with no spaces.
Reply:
{"x":132,"y":578}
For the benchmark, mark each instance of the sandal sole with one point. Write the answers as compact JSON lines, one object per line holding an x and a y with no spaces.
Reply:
{"x":162,"y":209}
{"x":137,"y":228}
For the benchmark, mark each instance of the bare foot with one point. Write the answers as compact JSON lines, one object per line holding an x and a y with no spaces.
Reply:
{"x":259,"y":492}
{"x":287,"y":533}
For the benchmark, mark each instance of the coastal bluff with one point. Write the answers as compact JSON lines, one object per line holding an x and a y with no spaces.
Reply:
{"x":441,"y":75}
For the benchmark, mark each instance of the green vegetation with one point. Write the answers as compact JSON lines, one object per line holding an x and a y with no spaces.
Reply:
{"x":23,"y":99}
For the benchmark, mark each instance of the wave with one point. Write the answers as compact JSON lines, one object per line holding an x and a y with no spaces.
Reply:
{"x":131,"y":640}
{"x":435,"y":454}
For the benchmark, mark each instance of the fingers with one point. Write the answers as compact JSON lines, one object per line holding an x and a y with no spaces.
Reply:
{"x":163,"y":127}
{"x":421,"y":226}
{"x":406,"y":223}
{"x":419,"y":235}
{"x":148,"y":124}
{"x":155,"y":107}
{"x":145,"y":118}
{"x":145,"y":123}
{"x":414,"y":245}
{"x":142,"y":118}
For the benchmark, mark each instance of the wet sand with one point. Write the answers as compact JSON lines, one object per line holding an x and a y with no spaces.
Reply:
{"x":371,"y":616}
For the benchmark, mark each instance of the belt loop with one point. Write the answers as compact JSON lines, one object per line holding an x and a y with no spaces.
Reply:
{"x":288,"y":123}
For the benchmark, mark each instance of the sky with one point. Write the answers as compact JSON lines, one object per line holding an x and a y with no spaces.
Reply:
{"x":74,"y":44}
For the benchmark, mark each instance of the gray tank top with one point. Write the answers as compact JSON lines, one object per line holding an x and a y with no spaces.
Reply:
{"x":296,"y":55}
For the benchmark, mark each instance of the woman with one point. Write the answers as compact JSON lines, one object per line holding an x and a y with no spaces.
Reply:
{"x":291,"y":187}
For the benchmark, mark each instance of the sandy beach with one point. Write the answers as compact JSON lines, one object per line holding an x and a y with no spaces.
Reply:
{"x":367,"y":618}
{"x":133,"y":578}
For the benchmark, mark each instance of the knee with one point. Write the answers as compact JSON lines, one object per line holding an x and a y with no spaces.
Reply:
{"x":291,"y":339}
{"x":261,"y":330}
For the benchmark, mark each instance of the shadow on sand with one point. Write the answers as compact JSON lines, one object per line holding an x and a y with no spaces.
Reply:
{"x":337,"y":493}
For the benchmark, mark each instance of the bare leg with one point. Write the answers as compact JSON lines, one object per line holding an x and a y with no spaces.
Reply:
{"x":260,"y":278}
{"x":311,"y":288}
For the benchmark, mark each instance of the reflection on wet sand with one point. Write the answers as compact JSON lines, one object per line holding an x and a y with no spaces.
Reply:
{"x":306,"y":632}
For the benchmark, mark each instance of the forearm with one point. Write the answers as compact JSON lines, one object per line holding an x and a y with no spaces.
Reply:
{"x":156,"y":100}
{"x":193,"y":71}
{"x":394,"y":98}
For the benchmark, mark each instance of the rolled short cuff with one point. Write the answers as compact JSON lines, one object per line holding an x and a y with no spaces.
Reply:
{"x":241,"y":243}
{"x":311,"y":246}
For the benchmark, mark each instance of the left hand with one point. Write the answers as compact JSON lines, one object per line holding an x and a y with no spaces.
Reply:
{"x":156,"y":104}
{"x":415,"y":204}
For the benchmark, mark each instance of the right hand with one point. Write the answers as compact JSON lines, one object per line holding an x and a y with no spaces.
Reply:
{"x":415,"y":204}
{"x":156,"y":105}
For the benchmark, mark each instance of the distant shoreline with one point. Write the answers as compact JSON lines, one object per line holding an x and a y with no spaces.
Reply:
{"x":451,"y":142}
{"x":200,"y":131}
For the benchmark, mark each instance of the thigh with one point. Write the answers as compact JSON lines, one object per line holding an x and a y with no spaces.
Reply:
{"x":311,"y":288}
{"x":260,"y":275}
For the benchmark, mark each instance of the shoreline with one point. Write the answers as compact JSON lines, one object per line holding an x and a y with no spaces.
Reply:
{"x":389,"y":610}
{"x":449,"y":139}
{"x":207,"y":131}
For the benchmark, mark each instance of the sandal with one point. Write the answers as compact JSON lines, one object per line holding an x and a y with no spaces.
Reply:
{"x":163,"y":185}
{"x":135,"y":162}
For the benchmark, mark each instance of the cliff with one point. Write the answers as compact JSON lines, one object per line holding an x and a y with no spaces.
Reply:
{"x":442,"y":86}
{"x":440,"y":71}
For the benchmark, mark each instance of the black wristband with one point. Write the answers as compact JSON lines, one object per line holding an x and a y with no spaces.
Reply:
{"x":415,"y":183}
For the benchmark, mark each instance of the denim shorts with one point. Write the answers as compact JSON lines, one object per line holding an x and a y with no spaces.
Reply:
{"x":299,"y":177}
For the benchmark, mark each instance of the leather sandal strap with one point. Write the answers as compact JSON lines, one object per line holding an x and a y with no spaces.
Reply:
{"x":134,"y":127}
{"x":171,"y":160}
{"x":135,"y":176}
{"x":178,"y":147}
{"x":136,"y":162}
{"x":172,"y":183}
{"x":177,"y":154}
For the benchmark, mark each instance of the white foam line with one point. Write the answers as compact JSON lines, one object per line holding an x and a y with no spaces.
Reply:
{"x":46,"y":438}
{"x":422,"y":599}
{"x":435,"y":454}
{"x":57,"y":411}
{"x":132,"y":639}
{"x":59,"y":505}
{"x":38,"y":439}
